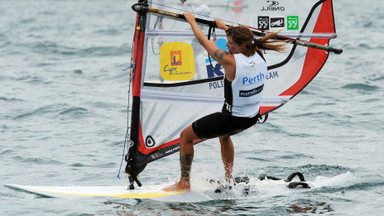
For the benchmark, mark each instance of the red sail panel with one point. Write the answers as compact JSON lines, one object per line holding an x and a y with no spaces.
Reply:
{"x":315,"y":58}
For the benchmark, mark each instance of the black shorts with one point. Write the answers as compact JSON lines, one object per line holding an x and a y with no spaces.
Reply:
{"x":221,"y":123}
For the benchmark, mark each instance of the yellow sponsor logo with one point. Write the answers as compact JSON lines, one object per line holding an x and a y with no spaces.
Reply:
{"x":177,"y":61}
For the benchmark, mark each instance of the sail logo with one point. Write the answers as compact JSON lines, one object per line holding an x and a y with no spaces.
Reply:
{"x":277,"y":22}
{"x":273,"y":3}
{"x":176,"y":58}
{"x":263,"y":22}
{"x":213,"y":67}
{"x":273,"y":6}
{"x":177,"y":61}
{"x":150,"y":142}
{"x":293,"y":22}
{"x":272,"y":75}
{"x":216,"y":84}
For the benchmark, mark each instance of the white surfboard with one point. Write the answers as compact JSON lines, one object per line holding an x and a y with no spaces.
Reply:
{"x":156,"y":192}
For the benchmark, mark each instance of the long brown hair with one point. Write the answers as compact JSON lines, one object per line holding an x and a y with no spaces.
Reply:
{"x":242,"y":34}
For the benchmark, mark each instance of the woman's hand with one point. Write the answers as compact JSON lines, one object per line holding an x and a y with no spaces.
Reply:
{"x":189,"y":17}
{"x":221,"y":24}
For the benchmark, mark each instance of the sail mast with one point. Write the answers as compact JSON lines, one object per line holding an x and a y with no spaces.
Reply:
{"x":136,"y":161}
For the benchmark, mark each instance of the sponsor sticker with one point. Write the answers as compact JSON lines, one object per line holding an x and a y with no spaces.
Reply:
{"x":263,"y":22}
{"x":177,"y":61}
{"x":277,"y":22}
{"x":293,"y":22}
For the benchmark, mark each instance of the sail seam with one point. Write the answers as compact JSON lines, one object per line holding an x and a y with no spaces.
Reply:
{"x":166,"y":96}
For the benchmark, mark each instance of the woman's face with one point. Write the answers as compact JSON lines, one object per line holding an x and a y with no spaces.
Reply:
{"x":233,"y":47}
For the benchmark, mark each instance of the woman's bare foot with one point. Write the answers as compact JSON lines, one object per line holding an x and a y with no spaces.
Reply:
{"x":182,"y":185}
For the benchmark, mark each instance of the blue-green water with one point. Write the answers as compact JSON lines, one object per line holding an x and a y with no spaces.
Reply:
{"x":63,"y":99}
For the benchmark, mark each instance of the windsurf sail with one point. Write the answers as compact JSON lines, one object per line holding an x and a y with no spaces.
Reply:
{"x":175,"y":82}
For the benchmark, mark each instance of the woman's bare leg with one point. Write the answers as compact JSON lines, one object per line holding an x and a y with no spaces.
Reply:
{"x":228,"y":155}
{"x":187,"y":137}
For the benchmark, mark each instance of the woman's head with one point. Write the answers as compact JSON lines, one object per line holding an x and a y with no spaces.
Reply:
{"x":243,"y":38}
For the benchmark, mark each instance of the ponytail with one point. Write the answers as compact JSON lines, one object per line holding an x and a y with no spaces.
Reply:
{"x":242,"y":34}
{"x":267,"y":43}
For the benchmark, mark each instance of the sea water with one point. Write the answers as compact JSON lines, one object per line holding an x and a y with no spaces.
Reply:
{"x":63,"y":116}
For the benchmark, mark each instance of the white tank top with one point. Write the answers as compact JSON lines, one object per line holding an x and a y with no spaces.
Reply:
{"x":244,"y":93}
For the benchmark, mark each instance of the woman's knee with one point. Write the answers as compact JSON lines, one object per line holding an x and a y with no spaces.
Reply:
{"x":188,"y":134}
{"x":224,"y":138}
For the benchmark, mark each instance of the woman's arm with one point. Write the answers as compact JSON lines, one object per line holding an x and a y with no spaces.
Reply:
{"x":221,"y":56}
{"x":221,"y":24}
